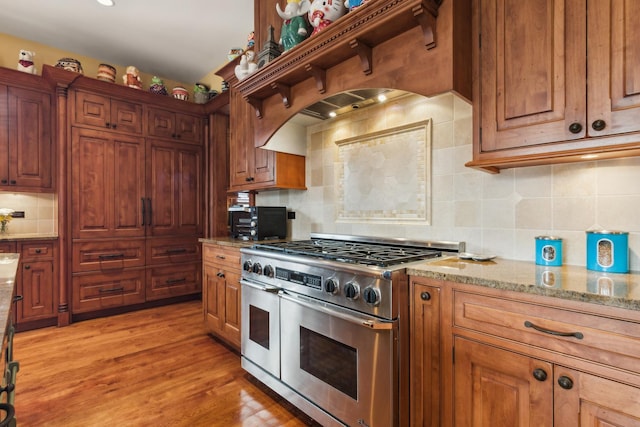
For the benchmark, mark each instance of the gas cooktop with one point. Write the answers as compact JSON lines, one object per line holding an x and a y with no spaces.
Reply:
{"x":355,"y":252}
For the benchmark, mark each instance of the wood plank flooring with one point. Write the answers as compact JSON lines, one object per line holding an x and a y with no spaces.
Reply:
{"x":155,"y":367}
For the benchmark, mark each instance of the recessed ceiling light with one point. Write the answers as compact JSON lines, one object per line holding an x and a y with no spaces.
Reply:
{"x":107,"y":2}
{"x":589,"y":156}
{"x":332,"y":114}
{"x":382,"y":97}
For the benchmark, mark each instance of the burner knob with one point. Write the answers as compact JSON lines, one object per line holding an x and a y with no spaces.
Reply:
{"x":371,"y":296}
{"x":247,"y":266}
{"x":268,"y":271}
{"x":257,"y":268}
{"x":331,"y":287}
{"x":351,"y":291}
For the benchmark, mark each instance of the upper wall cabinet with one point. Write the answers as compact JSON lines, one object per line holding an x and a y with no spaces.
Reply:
{"x":176,"y":126}
{"x":100,"y":111}
{"x":556,"y":81}
{"x":26,"y":143}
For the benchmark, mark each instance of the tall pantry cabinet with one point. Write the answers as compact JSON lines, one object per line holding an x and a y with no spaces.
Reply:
{"x":136,"y":196}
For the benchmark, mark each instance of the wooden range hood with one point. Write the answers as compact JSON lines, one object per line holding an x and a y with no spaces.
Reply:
{"x":420,"y":46}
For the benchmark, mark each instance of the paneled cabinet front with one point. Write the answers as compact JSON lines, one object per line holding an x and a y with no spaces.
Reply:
{"x":221,"y":292}
{"x":100,"y":111}
{"x":556,"y":80}
{"x":108,"y":184}
{"x":136,"y":202}
{"x":26,"y":144}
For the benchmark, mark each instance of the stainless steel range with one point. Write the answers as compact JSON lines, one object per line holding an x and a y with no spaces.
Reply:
{"x":325,"y":324}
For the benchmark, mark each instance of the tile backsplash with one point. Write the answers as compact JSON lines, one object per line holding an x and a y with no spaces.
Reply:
{"x":40,"y":212}
{"x":499,"y":214}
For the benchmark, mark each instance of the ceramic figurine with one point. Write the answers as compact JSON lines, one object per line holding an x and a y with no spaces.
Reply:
{"x":251,"y":40}
{"x":354,"y":4}
{"x":181,"y":93}
{"x":295,"y":27}
{"x":200,"y":93}
{"x":70,"y":64}
{"x":247,"y":65}
{"x":323,"y":12}
{"x":25,"y":62}
{"x":157,"y":86}
{"x":132,"y":78}
{"x":234,"y":53}
{"x":106,"y":73}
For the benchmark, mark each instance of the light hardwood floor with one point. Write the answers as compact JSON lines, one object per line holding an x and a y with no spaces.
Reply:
{"x":155,"y":367}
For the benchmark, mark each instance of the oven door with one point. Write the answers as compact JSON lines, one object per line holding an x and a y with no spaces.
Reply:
{"x":260,"y":338}
{"x":341,"y":360}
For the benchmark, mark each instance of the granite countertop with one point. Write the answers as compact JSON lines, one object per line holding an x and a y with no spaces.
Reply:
{"x":8,"y":268}
{"x":236,"y":243}
{"x":566,"y":282}
{"x":28,"y":236}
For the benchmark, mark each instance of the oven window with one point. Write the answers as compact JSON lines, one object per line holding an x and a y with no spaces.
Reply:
{"x":259,"y":326}
{"x":330,"y":361}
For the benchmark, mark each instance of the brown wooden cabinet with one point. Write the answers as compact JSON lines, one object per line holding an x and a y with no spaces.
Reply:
{"x":535,"y":62}
{"x":173,"y":125}
{"x":136,"y":199}
{"x":37,"y":285}
{"x":221,"y":292}
{"x":251,"y":167}
{"x":426,"y":350}
{"x":536,"y":363}
{"x":26,"y":143}
{"x":92,"y":109}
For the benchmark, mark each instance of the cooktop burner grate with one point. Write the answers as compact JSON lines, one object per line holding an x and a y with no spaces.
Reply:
{"x":381,"y":255}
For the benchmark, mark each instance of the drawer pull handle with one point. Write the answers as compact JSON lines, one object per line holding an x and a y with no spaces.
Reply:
{"x":539,"y":374}
{"x":176,"y":251}
{"x":18,"y":298}
{"x":118,"y":289}
{"x":577,"y":335}
{"x":110,"y":256}
{"x":174,"y":281}
{"x":565,"y":382}
{"x":221,"y":257}
{"x":220,"y":274}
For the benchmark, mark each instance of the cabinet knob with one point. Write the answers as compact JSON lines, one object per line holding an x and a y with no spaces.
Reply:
{"x":220,"y":274}
{"x":565,"y":382}
{"x":539,"y":374}
{"x":575,"y":127}
{"x":599,"y":125}
{"x":425,"y":296}
{"x":27,"y":267}
{"x":12,"y":182}
{"x":4,"y":181}
{"x":113,"y":126}
{"x":108,"y":125}
{"x":38,"y":251}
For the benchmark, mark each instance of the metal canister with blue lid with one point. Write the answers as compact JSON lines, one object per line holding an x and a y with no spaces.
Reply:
{"x":549,"y":251}
{"x":608,"y":251}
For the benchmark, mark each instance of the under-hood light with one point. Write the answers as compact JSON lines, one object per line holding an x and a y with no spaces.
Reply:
{"x":107,"y":3}
{"x":333,"y":114}
{"x":382,"y":97}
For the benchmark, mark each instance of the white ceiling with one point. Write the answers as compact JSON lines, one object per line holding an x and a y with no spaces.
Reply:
{"x":182,"y":40}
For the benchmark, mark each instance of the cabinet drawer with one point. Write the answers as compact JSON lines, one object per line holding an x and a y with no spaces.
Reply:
{"x":105,"y":290}
{"x":36,"y":251}
{"x":172,"y":250}
{"x":588,"y":336}
{"x":222,"y":256}
{"x":108,"y":255}
{"x":175,"y":280}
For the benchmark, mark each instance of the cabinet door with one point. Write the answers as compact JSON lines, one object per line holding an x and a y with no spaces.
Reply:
{"x":4,"y":138}
{"x":613,"y":53}
{"x":211,"y":285}
{"x":92,"y":110}
{"x":241,"y":148}
{"x":531,"y":58}
{"x":174,"y":186}
{"x":161,"y":123}
{"x":589,"y":401}
{"x":126,"y":116}
{"x":188,"y":128}
{"x":30,"y":141}
{"x":425,"y":356}
{"x":232,"y":307}
{"x":107,"y":184}
{"x":497,"y":388}
{"x":37,"y":289}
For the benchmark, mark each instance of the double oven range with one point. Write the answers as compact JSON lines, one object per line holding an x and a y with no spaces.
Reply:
{"x":325,"y":324}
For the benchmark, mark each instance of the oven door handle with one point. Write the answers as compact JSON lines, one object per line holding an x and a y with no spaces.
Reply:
{"x":265,"y":288}
{"x":318,"y":306}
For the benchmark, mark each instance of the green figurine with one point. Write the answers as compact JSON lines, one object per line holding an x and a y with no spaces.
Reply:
{"x":295,"y":27}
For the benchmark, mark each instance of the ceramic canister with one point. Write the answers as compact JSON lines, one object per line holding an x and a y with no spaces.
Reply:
{"x":549,"y":251}
{"x":608,"y":251}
